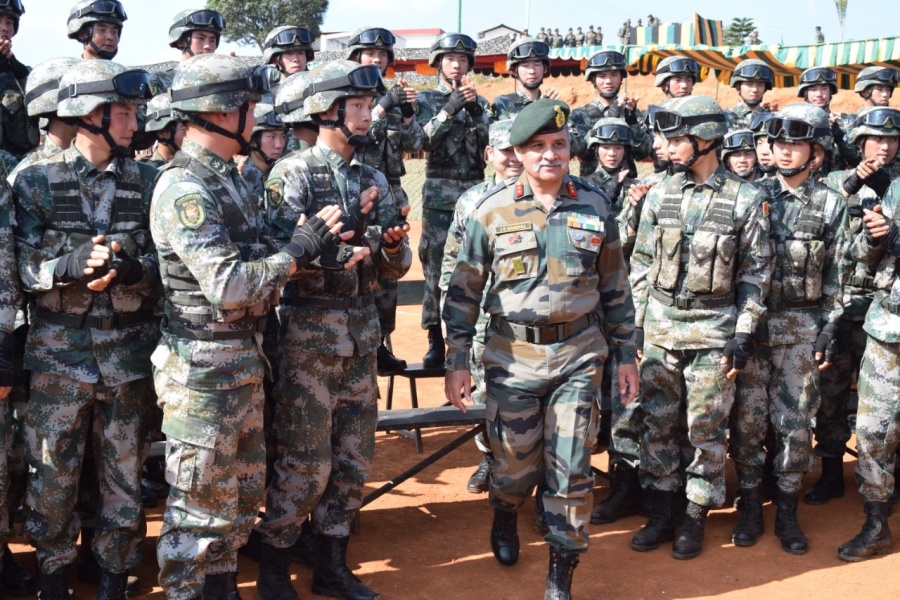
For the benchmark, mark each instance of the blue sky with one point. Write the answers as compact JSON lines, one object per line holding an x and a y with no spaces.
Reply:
{"x":42,"y":33}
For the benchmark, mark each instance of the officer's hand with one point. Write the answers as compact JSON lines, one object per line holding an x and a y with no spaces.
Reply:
{"x":737,"y":352}
{"x":637,"y":192}
{"x":551,"y":94}
{"x":394,"y":234}
{"x":129,"y":270}
{"x":877,"y":225}
{"x":826,"y":346}
{"x":629,"y":382}
{"x":458,"y":387}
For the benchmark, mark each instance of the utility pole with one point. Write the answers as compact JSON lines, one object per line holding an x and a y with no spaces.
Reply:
{"x":527,"y":13}
{"x":459,"y":16}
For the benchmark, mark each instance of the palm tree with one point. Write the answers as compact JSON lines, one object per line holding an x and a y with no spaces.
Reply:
{"x":841,"y":6}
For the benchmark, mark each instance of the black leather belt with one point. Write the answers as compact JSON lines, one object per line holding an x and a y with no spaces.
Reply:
{"x":338,"y":302}
{"x":540,"y":334}
{"x":116,"y":321}
{"x":246,"y":329}
{"x":780,"y":305}
{"x":683,"y":303}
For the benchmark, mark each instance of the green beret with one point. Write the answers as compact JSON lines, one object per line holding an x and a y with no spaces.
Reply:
{"x":499,"y":134}
{"x":541,"y":116}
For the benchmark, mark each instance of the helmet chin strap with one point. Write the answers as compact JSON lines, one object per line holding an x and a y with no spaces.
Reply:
{"x":752,"y":103}
{"x":682,"y":168}
{"x":104,"y":54}
{"x":237,"y":136}
{"x":661,"y":165}
{"x":796,"y":171}
{"x":187,"y":47}
{"x":766,"y":169}
{"x":744,"y":174}
{"x":255,"y":147}
{"x":613,"y":171}
{"x":444,"y":76}
{"x":115,"y":149}
{"x":353,"y":139}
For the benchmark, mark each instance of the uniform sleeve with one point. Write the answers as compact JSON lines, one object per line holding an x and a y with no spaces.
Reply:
{"x":433,"y":129}
{"x":615,"y":296}
{"x":412,"y":138}
{"x":10,"y":292}
{"x":37,"y":256}
{"x":227,"y":281}
{"x":754,"y":271}
{"x":642,"y":257}
{"x":866,"y":250}
{"x":832,"y":280}
{"x":454,"y":239}
{"x":463,"y":303}
{"x":395,"y":265}
{"x":482,"y":123}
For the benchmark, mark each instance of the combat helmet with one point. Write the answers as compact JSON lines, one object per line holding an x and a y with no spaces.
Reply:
{"x":458,"y":43}
{"x":525,"y":50}
{"x":159,"y":113}
{"x":737,"y":139}
{"x":753,"y":70}
{"x":606,"y":60}
{"x":289,"y":99}
{"x":334,"y":82}
{"x":266,"y":118}
{"x":875,"y":120}
{"x":817,"y":76}
{"x":370,"y":38}
{"x":676,"y":66}
{"x":695,"y":117}
{"x":613,"y":131}
{"x":219,"y":83}
{"x":801,"y":122}
{"x":13,"y":9}
{"x":498,"y":134}
{"x":87,"y":12}
{"x":42,"y":86}
{"x":288,"y":38}
{"x":89,"y":84}
{"x":186,"y":21}
{"x":876,"y":76}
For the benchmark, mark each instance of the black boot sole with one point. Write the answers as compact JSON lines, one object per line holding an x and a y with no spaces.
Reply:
{"x":686,"y":555}
{"x":817,"y":501}
{"x":649,"y":548}
{"x":604,"y":520}
{"x":881,"y":551}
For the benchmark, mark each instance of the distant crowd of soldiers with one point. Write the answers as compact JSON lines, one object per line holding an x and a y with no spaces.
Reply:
{"x":592,"y":37}
{"x":232,"y":295}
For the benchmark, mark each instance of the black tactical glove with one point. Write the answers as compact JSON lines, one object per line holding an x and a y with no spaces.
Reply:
{"x":70,"y":267}
{"x":309,"y":240}
{"x":739,"y":350}
{"x":394,"y":98}
{"x":615,"y":111}
{"x":879,"y":181}
{"x":7,"y":352}
{"x":826,"y":344}
{"x":455,"y":102}
{"x":335,"y":256}
{"x":398,"y":221}
{"x":852,"y":183}
{"x":129,"y":270}
{"x":474,"y":109}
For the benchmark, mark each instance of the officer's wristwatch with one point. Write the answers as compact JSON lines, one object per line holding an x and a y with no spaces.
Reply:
{"x":443,"y":116}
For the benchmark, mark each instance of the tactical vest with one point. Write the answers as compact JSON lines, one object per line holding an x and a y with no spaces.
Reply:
{"x":385,"y":152}
{"x":800,"y":258}
{"x":68,"y":228}
{"x":458,"y":156}
{"x":708,"y":252}
{"x":888,"y":273}
{"x":188,"y":312}
{"x":862,"y":276}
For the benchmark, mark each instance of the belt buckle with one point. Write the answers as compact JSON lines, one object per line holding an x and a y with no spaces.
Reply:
{"x":104,"y":323}
{"x":533,"y":335}
{"x":682,"y":303}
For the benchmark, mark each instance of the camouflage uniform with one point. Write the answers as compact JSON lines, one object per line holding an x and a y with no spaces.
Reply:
{"x":781,"y":384}
{"x":254,"y":180}
{"x":683,"y":346}
{"x":751,"y":71}
{"x":327,"y":389}
{"x":454,"y":163}
{"x":99,"y":360}
{"x":540,"y":421}
{"x":156,"y":160}
{"x":508,"y":105}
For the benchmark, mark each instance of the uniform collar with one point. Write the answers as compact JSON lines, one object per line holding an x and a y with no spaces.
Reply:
{"x":803,"y":193}
{"x":84,"y":168}
{"x":210,"y":160}
{"x":522,"y":188}
{"x":333,"y":158}
{"x":715,"y":181}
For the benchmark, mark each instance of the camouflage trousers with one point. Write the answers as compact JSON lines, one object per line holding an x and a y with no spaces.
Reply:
{"x":626,"y":422}
{"x":832,"y":430}
{"x":326,"y":416}
{"x":386,"y":296}
{"x":541,"y":422}
{"x":216,"y":474}
{"x":479,"y":394}
{"x":674,"y":382}
{"x":779,"y":385}
{"x":878,"y":420}
{"x":57,"y":425}
{"x":435,"y":224}
{"x":14,"y":469}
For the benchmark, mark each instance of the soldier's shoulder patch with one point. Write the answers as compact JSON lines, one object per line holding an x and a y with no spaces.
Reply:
{"x":274,"y":193}
{"x":190,"y":210}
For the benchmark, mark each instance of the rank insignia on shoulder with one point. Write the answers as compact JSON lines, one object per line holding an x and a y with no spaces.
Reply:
{"x":570,"y":187}
{"x":520,"y":190}
{"x":190,"y":211}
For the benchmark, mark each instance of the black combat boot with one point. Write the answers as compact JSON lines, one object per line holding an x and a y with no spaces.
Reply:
{"x":624,"y":497}
{"x":332,"y":577}
{"x":304,"y":549}
{"x":478,"y":482}
{"x":750,"y":525}
{"x":830,"y":484}
{"x":112,"y":585}
{"x":435,"y":355}
{"x":505,"y":537}
{"x":689,"y":542}
{"x":274,"y":580}
{"x":559,"y":576}
{"x":660,"y":526}
{"x":387,"y":362}
{"x":221,"y":586}
{"x":16,"y":581}
{"x":875,"y":537}
{"x":88,"y":568}
{"x":55,"y":585}
{"x":793,"y":540}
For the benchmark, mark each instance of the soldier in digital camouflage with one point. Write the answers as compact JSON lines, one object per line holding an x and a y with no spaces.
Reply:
{"x":818,"y":85}
{"x":798,"y":336}
{"x":19,"y":134}
{"x":548,"y":231}
{"x":289,"y":49}
{"x":97,"y":26}
{"x":267,"y":142}
{"x":875,"y":85}
{"x":455,"y":120}
{"x":87,"y":259}
{"x":876,"y":134}
{"x":394,"y":132}
{"x":192,"y":32}
{"x":507,"y":169}
{"x":878,"y":414}
{"x":327,"y":390}
{"x":751,"y":78}
{"x":289,"y":107}
{"x":528,"y":61}
{"x":676,"y":76}
{"x":606,"y":71}
{"x":168,"y":130}
{"x":220,"y":274}
{"x":739,"y":154}
{"x":700,"y":272}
